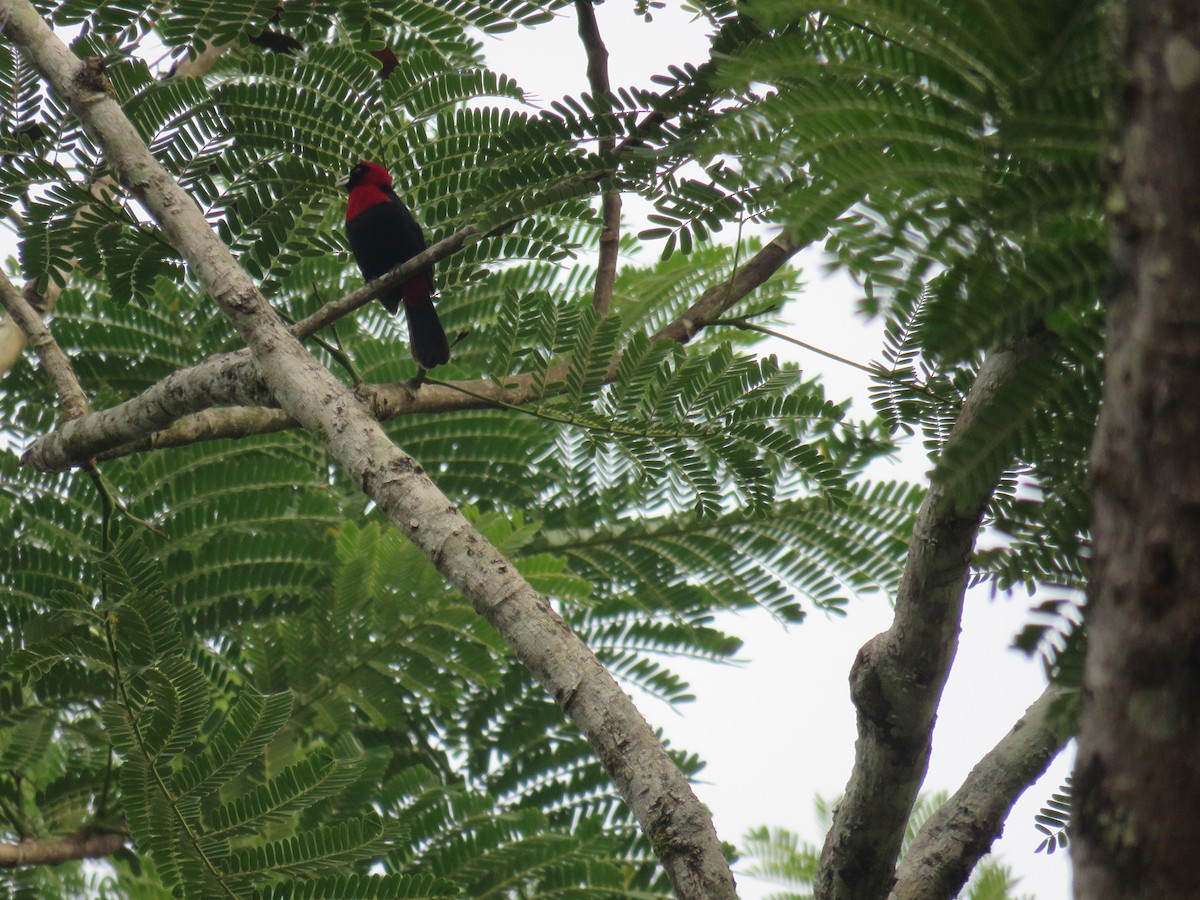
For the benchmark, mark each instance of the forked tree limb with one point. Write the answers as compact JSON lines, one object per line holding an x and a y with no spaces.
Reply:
{"x":677,"y":825}
{"x":897,"y":678}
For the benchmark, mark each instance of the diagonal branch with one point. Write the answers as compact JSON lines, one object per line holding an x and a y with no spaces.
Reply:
{"x":676,"y":824}
{"x":610,"y":229}
{"x":897,"y":679}
{"x":960,"y":833}
{"x":222,"y":380}
{"x":12,"y":334}
{"x":54,"y":361}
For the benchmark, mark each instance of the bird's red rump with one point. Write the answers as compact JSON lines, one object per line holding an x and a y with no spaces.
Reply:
{"x":418,"y":291}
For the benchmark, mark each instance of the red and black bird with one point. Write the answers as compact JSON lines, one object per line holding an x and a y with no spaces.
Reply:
{"x":383,"y":234}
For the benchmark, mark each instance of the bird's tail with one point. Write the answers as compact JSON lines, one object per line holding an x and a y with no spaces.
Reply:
{"x":426,"y":337}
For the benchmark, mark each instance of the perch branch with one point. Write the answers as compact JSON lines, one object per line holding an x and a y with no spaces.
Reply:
{"x":175,"y":411}
{"x":81,"y":845}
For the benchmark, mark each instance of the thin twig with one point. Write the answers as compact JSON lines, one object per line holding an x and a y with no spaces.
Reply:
{"x":111,"y":501}
{"x":610,"y":229}
{"x":875,"y":371}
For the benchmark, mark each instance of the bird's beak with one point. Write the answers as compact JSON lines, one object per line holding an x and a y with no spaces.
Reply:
{"x":343,"y":182}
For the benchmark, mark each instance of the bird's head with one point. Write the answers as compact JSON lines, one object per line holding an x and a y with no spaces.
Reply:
{"x":366,"y":173}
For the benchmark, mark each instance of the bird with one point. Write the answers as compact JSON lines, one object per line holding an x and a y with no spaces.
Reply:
{"x":383,"y":233}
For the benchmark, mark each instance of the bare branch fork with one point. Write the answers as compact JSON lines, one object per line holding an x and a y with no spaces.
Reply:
{"x":897,"y":679}
{"x":676,"y":824}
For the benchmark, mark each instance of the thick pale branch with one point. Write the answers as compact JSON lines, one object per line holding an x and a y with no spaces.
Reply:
{"x":960,"y":833}
{"x":896,"y":681}
{"x":610,"y":230}
{"x":55,"y":363}
{"x":677,"y":825}
{"x":12,"y":335}
{"x":83,"y":845}
{"x":226,"y":379}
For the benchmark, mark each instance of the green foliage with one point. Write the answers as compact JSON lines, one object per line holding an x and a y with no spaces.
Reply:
{"x":1054,"y":820}
{"x":677,"y":421}
{"x":948,"y":154}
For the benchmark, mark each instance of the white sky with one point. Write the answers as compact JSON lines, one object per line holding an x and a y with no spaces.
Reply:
{"x":780,"y":728}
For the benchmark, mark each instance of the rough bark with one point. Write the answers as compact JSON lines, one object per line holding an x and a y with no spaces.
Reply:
{"x":897,"y":679}
{"x":954,"y":839}
{"x":676,"y":824}
{"x":1137,"y":782}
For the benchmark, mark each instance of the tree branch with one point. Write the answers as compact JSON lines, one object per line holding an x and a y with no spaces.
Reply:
{"x":610,"y":229}
{"x":55,"y":363}
{"x":175,"y":411}
{"x":897,"y":679}
{"x":81,"y":845}
{"x":675,"y":822}
{"x":960,"y":833}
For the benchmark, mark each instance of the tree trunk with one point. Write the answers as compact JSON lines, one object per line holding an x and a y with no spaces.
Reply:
{"x":1138,"y":772}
